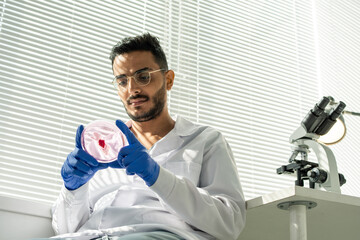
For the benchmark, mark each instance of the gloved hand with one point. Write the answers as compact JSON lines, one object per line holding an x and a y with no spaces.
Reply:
{"x":79,"y":166}
{"x":135,"y":158}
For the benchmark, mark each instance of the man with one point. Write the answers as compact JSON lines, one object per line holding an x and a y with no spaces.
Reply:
{"x":175,"y":179}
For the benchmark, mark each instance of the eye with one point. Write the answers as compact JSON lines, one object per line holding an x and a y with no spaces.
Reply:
{"x":143,"y":77}
{"x":121,"y":81}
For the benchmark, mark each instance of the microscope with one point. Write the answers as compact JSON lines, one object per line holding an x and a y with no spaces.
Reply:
{"x":322,"y":174}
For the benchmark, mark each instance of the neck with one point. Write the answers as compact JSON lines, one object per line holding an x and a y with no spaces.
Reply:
{"x":149,"y":132}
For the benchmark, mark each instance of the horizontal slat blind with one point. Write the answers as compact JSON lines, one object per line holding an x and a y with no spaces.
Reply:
{"x":338,"y":29}
{"x":252,"y":74}
{"x":246,"y":68}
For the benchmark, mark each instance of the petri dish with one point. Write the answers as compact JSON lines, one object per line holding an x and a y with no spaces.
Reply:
{"x":103,"y":140}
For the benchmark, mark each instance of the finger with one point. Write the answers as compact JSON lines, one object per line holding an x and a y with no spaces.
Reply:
{"x":79,"y":165}
{"x":134,"y":158}
{"x":124,"y":151}
{"x":135,"y":166}
{"x":78,"y":136}
{"x":129,"y":135}
{"x":71,"y":160}
{"x":129,"y":173}
{"x":85,"y":157}
{"x":119,"y":162}
{"x":102,"y":166}
{"x":72,"y":168}
{"x":80,"y":174}
{"x":115,"y":164}
{"x":66,"y":169}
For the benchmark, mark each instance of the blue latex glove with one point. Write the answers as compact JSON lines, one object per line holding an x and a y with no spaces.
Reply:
{"x":79,"y":166}
{"x":135,"y":159}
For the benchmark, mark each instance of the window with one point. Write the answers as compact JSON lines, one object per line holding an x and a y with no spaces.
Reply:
{"x":338,"y":57}
{"x":247,"y":68}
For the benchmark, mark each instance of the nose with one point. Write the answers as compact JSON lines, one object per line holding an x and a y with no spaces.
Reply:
{"x":133,"y":88}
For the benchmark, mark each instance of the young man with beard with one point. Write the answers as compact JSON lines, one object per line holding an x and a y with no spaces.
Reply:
{"x":175,"y":179}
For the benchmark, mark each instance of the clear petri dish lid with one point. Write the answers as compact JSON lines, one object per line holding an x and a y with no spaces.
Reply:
{"x":103,"y":140}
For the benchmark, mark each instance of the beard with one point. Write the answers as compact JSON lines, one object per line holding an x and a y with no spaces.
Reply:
{"x":159,"y":102}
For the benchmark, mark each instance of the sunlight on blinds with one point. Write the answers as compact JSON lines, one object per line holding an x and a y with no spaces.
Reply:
{"x":246,"y":68}
{"x":338,"y":32}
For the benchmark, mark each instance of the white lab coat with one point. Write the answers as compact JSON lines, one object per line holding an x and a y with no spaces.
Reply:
{"x":197,"y":194}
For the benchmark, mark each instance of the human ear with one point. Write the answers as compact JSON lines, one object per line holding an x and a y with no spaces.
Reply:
{"x":169,"y":77}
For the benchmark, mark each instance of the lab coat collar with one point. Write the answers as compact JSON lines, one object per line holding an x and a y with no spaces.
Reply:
{"x":183,"y":127}
{"x":174,"y":138}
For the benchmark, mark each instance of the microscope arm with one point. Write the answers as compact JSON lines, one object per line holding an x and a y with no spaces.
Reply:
{"x":327,"y":162}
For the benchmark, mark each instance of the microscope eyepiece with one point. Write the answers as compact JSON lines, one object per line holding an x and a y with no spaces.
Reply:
{"x":337,"y":111}
{"x":320,"y":106}
{"x":325,"y":127}
{"x":316,"y":115}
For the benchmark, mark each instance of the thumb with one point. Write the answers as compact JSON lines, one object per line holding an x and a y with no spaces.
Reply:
{"x":129,"y":135}
{"x":78,"y":136}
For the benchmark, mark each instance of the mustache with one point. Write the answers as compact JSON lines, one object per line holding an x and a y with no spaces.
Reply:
{"x":135,"y":97}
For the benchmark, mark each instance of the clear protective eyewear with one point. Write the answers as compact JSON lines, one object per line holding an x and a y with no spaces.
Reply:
{"x":141,"y":78}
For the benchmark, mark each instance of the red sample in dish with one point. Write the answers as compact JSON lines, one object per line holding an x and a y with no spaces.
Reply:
{"x":102,"y":143}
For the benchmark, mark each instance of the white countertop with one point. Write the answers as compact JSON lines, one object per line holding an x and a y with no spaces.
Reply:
{"x":335,"y":217}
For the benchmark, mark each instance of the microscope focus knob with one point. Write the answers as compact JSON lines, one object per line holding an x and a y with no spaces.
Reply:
{"x":317,"y":175}
{"x":342,"y":179}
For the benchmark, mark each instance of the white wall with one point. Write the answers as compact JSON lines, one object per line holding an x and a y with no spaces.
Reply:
{"x":23,"y":219}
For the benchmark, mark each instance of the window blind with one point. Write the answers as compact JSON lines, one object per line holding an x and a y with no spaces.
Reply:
{"x":338,"y":31}
{"x":247,"y":68}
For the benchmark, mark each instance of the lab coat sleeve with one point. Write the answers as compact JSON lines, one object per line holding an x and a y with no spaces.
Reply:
{"x":71,"y":210}
{"x":217,"y":205}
